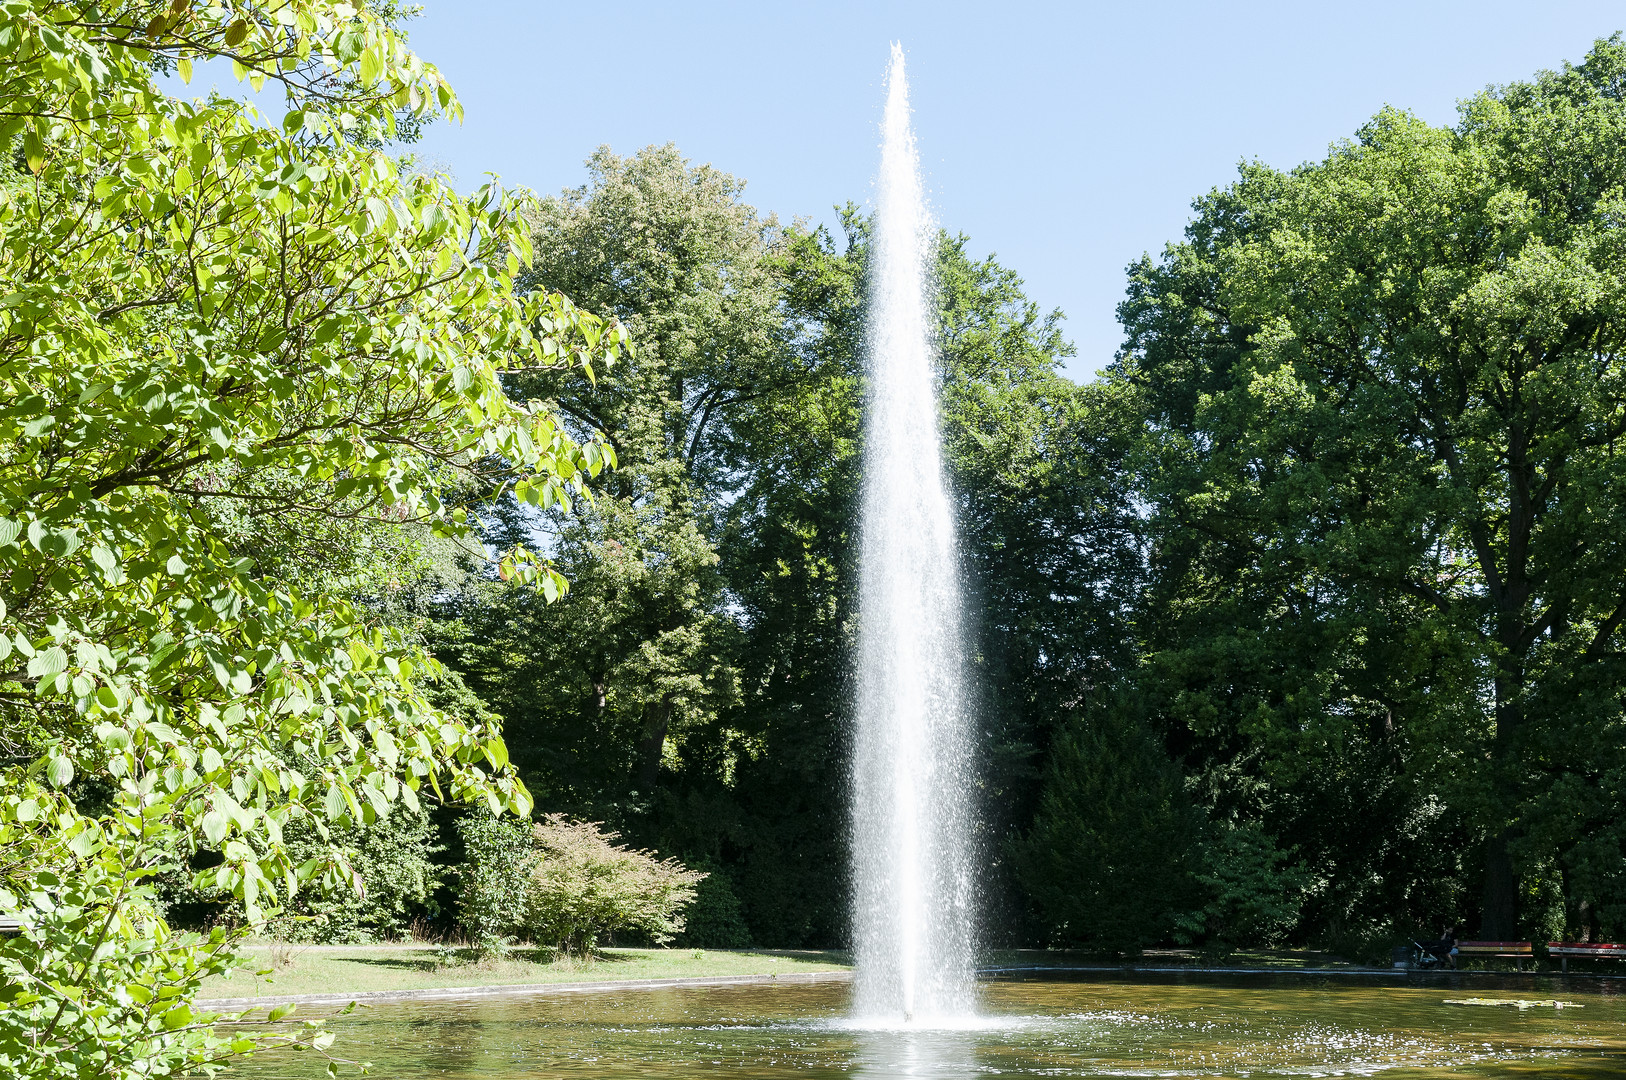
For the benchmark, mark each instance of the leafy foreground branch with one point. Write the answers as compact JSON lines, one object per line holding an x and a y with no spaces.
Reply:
{"x":215,"y":339}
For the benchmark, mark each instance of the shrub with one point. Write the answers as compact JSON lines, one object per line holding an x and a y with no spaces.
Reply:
{"x":387,"y":882}
{"x":392,"y":856}
{"x":585,"y":886}
{"x":494,"y":879}
{"x":716,"y":919}
{"x":565,"y":883}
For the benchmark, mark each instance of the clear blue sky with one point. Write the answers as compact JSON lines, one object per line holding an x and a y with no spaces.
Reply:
{"x":1068,"y":138}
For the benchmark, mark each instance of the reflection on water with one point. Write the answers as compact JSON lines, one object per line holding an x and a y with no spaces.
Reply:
{"x":1180,"y":1027}
{"x":885,"y":1049}
{"x":940,"y":1054}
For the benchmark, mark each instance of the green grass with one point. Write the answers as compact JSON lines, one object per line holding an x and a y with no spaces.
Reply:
{"x":358,"y":969}
{"x":300,"y":969}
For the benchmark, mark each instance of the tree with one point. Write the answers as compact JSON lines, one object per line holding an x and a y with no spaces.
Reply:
{"x":1386,"y":393}
{"x":198,"y":312}
{"x":606,"y":696}
{"x":693,"y":690}
{"x":1111,"y":856}
{"x":779,"y":827}
{"x":1049,"y":530}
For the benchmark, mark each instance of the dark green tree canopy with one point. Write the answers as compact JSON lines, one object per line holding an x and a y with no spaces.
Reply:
{"x":1387,"y":402}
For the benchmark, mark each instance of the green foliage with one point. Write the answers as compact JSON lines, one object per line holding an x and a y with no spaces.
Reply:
{"x":1035,"y":499}
{"x":1253,"y":899}
{"x":494,"y":879}
{"x":392,"y":858}
{"x":1383,"y":393}
{"x":1110,"y":858}
{"x":604,"y":695}
{"x":692,"y":693}
{"x":777,"y":823}
{"x":584,"y":887}
{"x":715,"y":918}
{"x":564,"y":883}
{"x":1331,"y":543}
{"x":215,"y":337}
{"x":392,"y":876}
{"x":1049,"y":530}
{"x":1596,"y":883}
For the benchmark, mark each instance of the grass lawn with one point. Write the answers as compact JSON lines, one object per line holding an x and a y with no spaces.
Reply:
{"x":357,"y":969}
{"x":301,"y":969}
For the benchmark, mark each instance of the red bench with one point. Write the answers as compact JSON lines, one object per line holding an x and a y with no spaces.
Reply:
{"x":1597,"y":950}
{"x":1511,"y":950}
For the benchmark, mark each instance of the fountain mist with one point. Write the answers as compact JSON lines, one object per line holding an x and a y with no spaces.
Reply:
{"x":913,"y":913}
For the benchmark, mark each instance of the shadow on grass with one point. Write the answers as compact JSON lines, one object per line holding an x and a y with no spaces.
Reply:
{"x":389,"y":962}
{"x":552,"y":961}
{"x":460,"y":958}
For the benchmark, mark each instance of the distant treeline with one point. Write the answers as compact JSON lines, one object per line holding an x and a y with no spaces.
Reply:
{"x":1301,"y":623}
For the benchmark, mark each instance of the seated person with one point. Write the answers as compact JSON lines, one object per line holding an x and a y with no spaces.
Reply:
{"x":1445,"y":949}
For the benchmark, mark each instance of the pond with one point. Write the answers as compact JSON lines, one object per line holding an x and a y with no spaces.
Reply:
{"x":1180,"y":1026}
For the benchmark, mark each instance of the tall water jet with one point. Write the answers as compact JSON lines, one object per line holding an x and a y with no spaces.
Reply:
{"x":912,"y":878}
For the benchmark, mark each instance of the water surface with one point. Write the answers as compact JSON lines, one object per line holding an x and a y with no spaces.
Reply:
{"x":1179,"y":1027}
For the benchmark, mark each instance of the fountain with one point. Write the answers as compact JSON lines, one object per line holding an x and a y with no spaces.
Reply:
{"x":913,"y":910}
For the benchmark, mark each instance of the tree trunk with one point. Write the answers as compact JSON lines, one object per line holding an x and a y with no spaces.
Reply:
{"x":1499,"y":911}
{"x":652,"y":747}
{"x":593,"y":712}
